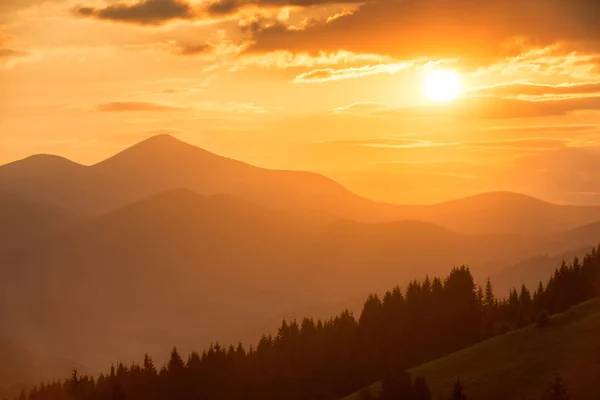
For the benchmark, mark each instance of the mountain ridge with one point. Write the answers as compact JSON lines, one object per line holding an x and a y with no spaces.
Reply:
{"x":162,"y":163}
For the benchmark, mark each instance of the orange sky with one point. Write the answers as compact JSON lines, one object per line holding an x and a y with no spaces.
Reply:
{"x":317,"y":85}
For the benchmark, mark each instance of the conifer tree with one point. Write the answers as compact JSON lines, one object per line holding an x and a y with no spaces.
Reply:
{"x":458,"y":391}
{"x":557,"y":390}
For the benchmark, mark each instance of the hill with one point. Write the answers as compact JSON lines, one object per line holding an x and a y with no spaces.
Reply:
{"x":225,"y":264}
{"x":507,"y":212}
{"x":520,"y":364}
{"x":163,"y":163}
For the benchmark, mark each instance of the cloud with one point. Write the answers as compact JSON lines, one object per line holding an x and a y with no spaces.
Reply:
{"x":552,"y":60}
{"x":146,"y":12}
{"x":529,"y":143}
{"x":542,"y":128}
{"x":470,"y":29}
{"x":159,"y":12}
{"x":475,"y":108}
{"x":200,"y":110}
{"x":535,"y":143}
{"x":132,"y":106}
{"x":362,"y":108}
{"x":227,"y":7}
{"x":9,"y":53}
{"x":7,"y":6}
{"x":194,"y":49}
{"x":330,"y":74}
{"x":536,"y":89}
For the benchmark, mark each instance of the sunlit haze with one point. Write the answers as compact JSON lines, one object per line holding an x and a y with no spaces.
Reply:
{"x":299,"y":199}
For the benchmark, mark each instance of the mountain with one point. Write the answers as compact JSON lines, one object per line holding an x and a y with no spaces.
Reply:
{"x":186,"y":269}
{"x":163,"y":163}
{"x":521,"y":364}
{"x":582,"y":234}
{"x":506,"y":212}
{"x":24,"y":221}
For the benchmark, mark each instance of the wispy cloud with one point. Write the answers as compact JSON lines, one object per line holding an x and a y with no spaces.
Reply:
{"x":329,"y":74}
{"x":136,"y":106}
{"x":362,"y":108}
{"x":513,"y":89}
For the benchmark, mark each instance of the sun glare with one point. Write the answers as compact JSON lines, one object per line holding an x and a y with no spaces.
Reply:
{"x":442,"y":85}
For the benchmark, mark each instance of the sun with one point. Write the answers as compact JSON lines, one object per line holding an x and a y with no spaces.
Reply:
{"x":442,"y":85}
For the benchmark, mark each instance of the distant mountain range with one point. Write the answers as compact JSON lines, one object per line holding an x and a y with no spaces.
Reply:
{"x":163,"y":163}
{"x":166,"y":243}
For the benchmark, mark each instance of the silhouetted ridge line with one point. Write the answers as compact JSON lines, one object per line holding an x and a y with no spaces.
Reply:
{"x":162,"y":163}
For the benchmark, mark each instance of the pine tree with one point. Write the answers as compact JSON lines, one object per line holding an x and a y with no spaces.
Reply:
{"x":458,"y":391}
{"x":421,"y":390}
{"x":557,"y":390}
{"x":489,"y":299}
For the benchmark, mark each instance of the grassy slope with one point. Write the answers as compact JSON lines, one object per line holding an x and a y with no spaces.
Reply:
{"x":519,"y":365}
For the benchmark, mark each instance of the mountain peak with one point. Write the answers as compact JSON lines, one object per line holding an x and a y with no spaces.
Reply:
{"x":157,"y":152}
{"x":162,"y":138}
{"x":162,"y":142}
{"x":498,"y":198}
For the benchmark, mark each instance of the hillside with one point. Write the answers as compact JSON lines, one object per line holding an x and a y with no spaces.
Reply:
{"x":519,"y":365}
{"x":163,"y":163}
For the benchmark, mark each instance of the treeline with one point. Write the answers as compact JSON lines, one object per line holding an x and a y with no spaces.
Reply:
{"x":330,"y":359}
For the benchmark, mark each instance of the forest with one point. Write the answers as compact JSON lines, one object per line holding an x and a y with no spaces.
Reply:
{"x":326,"y":360}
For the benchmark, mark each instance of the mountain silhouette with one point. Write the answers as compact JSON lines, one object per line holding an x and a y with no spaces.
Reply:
{"x":509,"y":212}
{"x":163,"y":163}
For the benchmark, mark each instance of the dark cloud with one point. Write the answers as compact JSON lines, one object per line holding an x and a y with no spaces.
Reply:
{"x":226,"y":7}
{"x":471,"y":29}
{"x":496,"y":108}
{"x":193,"y":49}
{"x":158,"y":12}
{"x":147,"y":12}
{"x":131,"y":106}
